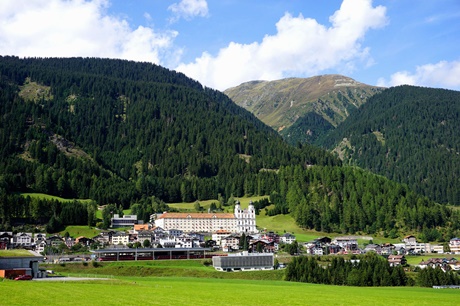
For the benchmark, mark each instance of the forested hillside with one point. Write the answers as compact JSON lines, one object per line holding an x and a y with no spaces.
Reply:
{"x":117,"y":132}
{"x":408,"y":134}
{"x":136,"y":135}
{"x":350,"y":200}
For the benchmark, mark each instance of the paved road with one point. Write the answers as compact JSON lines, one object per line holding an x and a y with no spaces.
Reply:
{"x":67,"y":279}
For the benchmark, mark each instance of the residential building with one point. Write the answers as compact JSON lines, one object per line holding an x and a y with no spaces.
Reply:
{"x":396,"y":260}
{"x":22,"y":240}
{"x":287,"y":238}
{"x":454,"y":245}
{"x":346,"y":243}
{"x":120,"y":238}
{"x":219,"y":234}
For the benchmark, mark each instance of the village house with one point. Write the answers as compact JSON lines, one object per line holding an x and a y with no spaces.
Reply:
{"x":348,"y":244}
{"x":143,"y":236}
{"x":120,"y":238}
{"x":5,"y":240}
{"x":454,"y":245}
{"x":84,"y":241}
{"x":219,"y":234}
{"x":446,"y":264}
{"x":396,"y":260}
{"x":230,"y":243}
{"x":22,"y":240}
{"x":287,"y":238}
{"x":54,"y":241}
{"x":264,"y":245}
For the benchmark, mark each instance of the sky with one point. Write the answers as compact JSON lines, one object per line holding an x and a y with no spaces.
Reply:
{"x":223,"y":43}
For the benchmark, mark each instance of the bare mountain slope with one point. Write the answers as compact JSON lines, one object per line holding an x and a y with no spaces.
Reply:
{"x":281,"y":103}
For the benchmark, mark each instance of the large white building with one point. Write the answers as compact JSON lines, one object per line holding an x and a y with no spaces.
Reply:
{"x":241,"y":221}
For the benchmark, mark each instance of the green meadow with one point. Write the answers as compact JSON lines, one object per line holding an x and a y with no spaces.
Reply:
{"x":44,"y":196}
{"x":203,"y":291}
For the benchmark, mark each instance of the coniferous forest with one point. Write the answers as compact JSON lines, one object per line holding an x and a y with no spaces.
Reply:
{"x":136,"y":135}
{"x":410,"y":135}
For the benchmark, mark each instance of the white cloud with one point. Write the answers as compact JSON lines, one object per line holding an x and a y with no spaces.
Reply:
{"x":64,"y":28}
{"x":301,"y":46}
{"x":442,"y":74}
{"x":188,"y":9}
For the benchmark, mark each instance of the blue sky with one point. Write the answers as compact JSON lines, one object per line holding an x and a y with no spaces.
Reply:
{"x":223,"y":43}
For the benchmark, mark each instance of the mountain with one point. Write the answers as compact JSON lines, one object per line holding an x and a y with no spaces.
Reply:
{"x":117,"y":131}
{"x":137,"y":135}
{"x":302,"y":109}
{"x":408,"y":134}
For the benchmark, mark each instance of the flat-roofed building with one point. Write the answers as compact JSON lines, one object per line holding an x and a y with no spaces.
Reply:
{"x":244,"y":262}
{"x":125,"y":221}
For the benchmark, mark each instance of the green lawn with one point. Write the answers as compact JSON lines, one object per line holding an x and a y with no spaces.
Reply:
{"x":416,"y":259}
{"x":197,"y":291}
{"x":15,"y":253}
{"x":80,"y":230}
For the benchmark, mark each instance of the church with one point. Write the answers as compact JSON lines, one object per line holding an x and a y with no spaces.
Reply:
{"x":241,"y":221}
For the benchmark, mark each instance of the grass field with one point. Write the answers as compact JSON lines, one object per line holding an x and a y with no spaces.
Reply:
{"x":198,"y":291}
{"x":415,"y":260}
{"x":15,"y":253}
{"x":50,"y":197}
{"x":80,"y":230}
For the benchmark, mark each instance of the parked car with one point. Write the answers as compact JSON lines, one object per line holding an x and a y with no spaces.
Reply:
{"x":23,"y":277}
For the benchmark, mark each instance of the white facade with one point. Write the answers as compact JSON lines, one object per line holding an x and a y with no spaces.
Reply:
{"x":454,"y":245}
{"x":120,"y":238}
{"x":241,"y":221}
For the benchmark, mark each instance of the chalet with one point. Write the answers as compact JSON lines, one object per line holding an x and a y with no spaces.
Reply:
{"x":373,"y":248}
{"x":84,"y":241}
{"x":22,"y":240}
{"x":409,"y":241}
{"x":264,"y":245}
{"x":231,"y":242}
{"x":445,"y":264}
{"x":5,"y":240}
{"x":346,"y":243}
{"x":397,"y":260}
{"x":144,"y":235}
{"x":270,"y":236}
{"x":104,"y":238}
{"x":387,"y":249}
{"x":54,"y":241}
{"x":287,"y":238}
{"x":69,"y":242}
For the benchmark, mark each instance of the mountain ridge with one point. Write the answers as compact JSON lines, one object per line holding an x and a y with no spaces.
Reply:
{"x":281,"y":103}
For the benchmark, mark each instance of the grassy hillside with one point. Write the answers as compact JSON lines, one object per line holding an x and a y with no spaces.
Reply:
{"x":282,"y":103}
